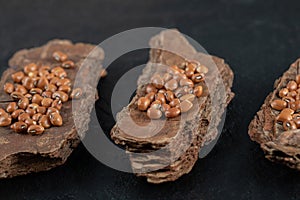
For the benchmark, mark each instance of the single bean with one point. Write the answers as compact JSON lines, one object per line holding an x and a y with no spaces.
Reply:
{"x":11,"y":107}
{"x":156,"y":104}
{"x":198,"y":91}
{"x":22,"y":117}
{"x":150,"y":96}
{"x":283,"y":92}
{"x":28,"y":96}
{"x":17,"y":113}
{"x":68,"y":64}
{"x":197,"y":78}
{"x":278,"y":104}
{"x":160,"y":97}
{"x":21,"y":89}
{"x":37,"y":99}
{"x":298,"y":79}
{"x":153,"y":113}
{"x":30,"y":122}
{"x":286,"y":114}
{"x":175,"y":102}
{"x":157,"y":81}
{"x":171,"y":84}
{"x":51,"y":88}
{"x":35,"y":129}
{"x":46,"y":102}
{"x":189,"y":97}
{"x":150,"y":88}
{"x":41,"y":109}
{"x":289,"y":125}
{"x":34,"y":91}
{"x":59,"y":56}
{"x":30,"y":111}
{"x":28,"y":82}
{"x":30,"y":68}
{"x":65,"y":88}
{"x":5,"y":120}
{"x":47,"y":94}
{"x":186,"y":82}
{"x":165,"y":107}
{"x":17,"y":77}
{"x":9,"y":88}
{"x":19,"y":127}
{"x":45,"y":121}
{"x":36,"y":117}
{"x":23,"y":103}
{"x":42,"y":83}
{"x":16,"y":95}
{"x":65,"y":81}
{"x":172,"y":112}
{"x":143,"y":103}
{"x":292,"y":86}
{"x":169,"y":95}
{"x":51,"y":110}
{"x":202,"y":69}
{"x":55,"y":119}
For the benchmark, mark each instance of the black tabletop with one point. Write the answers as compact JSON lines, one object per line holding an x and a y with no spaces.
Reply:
{"x":259,"y":39}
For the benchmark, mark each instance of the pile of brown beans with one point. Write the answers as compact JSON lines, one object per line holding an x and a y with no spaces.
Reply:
{"x":288,"y":104}
{"x":173,"y":92}
{"x":38,"y":94}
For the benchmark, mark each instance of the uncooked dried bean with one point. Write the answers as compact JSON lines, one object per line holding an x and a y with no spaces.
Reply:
{"x":33,"y":106}
{"x":283,"y":92}
{"x":166,"y":77}
{"x":174,"y":102}
{"x":198,"y":91}
{"x":169,"y":95}
{"x":172,"y":112}
{"x":286,"y":114}
{"x":30,"y":111}
{"x":51,"y":110}
{"x":5,"y":120}
{"x":23,"y":103}
{"x":41,"y":109}
{"x":171,"y":84}
{"x":43,"y":81}
{"x":295,"y":105}
{"x":36,"y":117}
{"x":33,"y":74}
{"x":289,"y":125}
{"x":292,"y":86}
{"x":16,"y":95}
{"x":11,"y":107}
{"x":185,"y":106}
{"x":64,"y":81}
{"x":150,"y":96}
{"x":36,"y":91}
{"x":28,"y":96}
{"x":44,"y":121}
{"x":191,"y":67}
{"x":179,"y":92}
{"x":46,"y":102}
{"x":278,"y":104}
{"x":2,"y":112}
{"x":63,"y":96}
{"x":165,"y":107}
{"x":51,"y":88}
{"x":298,"y":79}
{"x":163,"y":91}
{"x":28,"y":82}
{"x":8,"y":88}
{"x":56,"y":119}
{"x":76,"y":94}
{"x":156,"y":104}
{"x":157,"y":81}
{"x":22,"y":117}
{"x":197,"y":78}
{"x":35,"y":129}
{"x":65,"y":88}
{"x":47,"y":94}
{"x":59,"y":56}
{"x":160,"y":97}
{"x":30,"y":68}
{"x":68,"y":64}
{"x":150,"y":88}
{"x":57,"y":103}
{"x":16,"y":113}
{"x":143,"y":103}
{"x":153,"y":113}
{"x":189,"y":73}
{"x":37,"y":99}
{"x":51,"y":76}
{"x":19,"y":127}
{"x":30,"y":122}
{"x":21,"y":89}
{"x":202,"y":69}
{"x":292,"y":94}
{"x":18,"y":76}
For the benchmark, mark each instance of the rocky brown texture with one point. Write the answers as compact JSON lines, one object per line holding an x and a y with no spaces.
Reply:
{"x":279,"y":145}
{"x":23,"y":153}
{"x":173,"y":150}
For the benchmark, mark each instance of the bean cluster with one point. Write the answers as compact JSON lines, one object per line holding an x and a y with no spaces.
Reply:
{"x":173,"y":91}
{"x":289,"y":105}
{"x":39,"y":92}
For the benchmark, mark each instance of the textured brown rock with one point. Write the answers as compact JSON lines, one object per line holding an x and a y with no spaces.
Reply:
{"x":23,"y":153}
{"x":278,"y":145}
{"x":179,"y":139}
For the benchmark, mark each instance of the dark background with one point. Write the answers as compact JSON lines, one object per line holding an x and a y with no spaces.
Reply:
{"x":259,"y":39}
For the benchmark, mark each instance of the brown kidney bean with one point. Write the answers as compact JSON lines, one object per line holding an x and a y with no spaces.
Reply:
{"x":42,"y":83}
{"x":35,"y":129}
{"x":28,"y":96}
{"x":189,"y":97}
{"x":185,"y":106}
{"x":150,"y":88}
{"x":34,"y":91}
{"x":21,"y":89}
{"x":30,"y":111}
{"x":292,"y":86}
{"x":57,"y":103}
{"x":197,"y":78}
{"x":65,"y":81}
{"x":30,"y":68}
{"x":169,"y":95}
{"x":5,"y":120}
{"x":50,"y":87}
{"x":286,"y":114}
{"x":166,"y":77}
{"x":143,"y":103}
{"x":150,"y":96}
{"x":59,"y":56}
{"x":198,"y":91}
{"x":55,"y":119}
{"x":19,"y":127}
{"x":156,"y":104}
{"x":37,"y":99}
{"x":22,"y":117}
{"x":11,"y":107}
{"x":295,"y":105}
{"x":16,"y":95}
{"x":30,"y":122}
{"x":28,"y":82}
{"x":17,"y":77}
{"x":65,"y":88}
{"x":36,"y":117}
{"x":46,"y":102}
{"x":157,"y":81}
{"x":41,"y":109}
{"x":16,"y":113}
{"x":171,"y":84}
{"x":202,"y":69}
{"x":289,"y":125}
{"x":68,"y":64}
{"x":47,"y":94}
{"x":153,"y":113}
{"x":175,"y":102}
{"x":160,"y":97}
{"x":8,"y":88}
{"x":45,"y":121}
{"x":165,"y":107}
{"x":51,"y":110}
{"x":33,"y":106}
{"x":62,"y":96}
{"x":172,"y":112}
{"x":186,"y":82}
{"x":75,"y":94}
{"x":23,"y":103}
{"x":278,"y":104}
{"x":283,"y":92}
